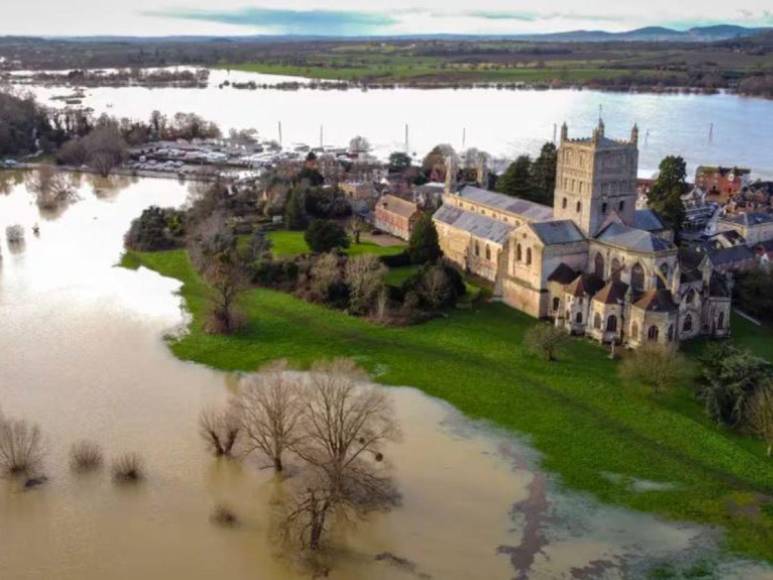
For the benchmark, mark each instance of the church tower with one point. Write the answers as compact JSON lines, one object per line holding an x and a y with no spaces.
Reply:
{"x":596,"y":178}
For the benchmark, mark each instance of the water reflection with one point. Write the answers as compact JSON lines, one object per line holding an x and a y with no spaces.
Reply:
{"x":81,"y":354}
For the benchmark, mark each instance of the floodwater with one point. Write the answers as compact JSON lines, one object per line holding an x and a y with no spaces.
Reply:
{"x":717,"y":129}
{"x":82,"y":354}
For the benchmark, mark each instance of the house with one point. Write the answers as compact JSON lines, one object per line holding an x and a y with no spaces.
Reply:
{"x":721,"y":183}
{"x":396,"y":216}
{"x":755,"y":227}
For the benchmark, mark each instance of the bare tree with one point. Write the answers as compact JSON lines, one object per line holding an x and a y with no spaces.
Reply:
{"x":344,"y":426}
{"x":355,"y":227}
{"x":545,"y":340}
{"x":85,"y":456}
{"x":365,"y":277}
{"x":325,"y":272}
{"x":268,"y":408}
{"x":220,"y":430}
{"x":21,"y":447}
{"x":50,"y":187}
{"x":105,"y":148}
{"x":655,"y":366}
{"x":760,"y":414}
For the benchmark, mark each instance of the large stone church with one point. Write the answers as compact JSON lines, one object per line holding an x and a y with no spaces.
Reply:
{"x":593,"y":263}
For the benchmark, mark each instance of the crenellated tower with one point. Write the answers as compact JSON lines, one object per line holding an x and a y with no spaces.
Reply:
{"x":596,"y":177}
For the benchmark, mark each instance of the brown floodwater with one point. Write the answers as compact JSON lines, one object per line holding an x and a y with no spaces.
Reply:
{"x":82,"y":354}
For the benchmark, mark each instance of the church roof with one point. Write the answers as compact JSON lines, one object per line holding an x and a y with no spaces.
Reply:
{"x":718,"y":286}
{"x":612,"y":293}
{"x":478,"y":225}
{"x":648,"y":220}
{"x":527,"y":209}
{"x":729,"y":256}
{"x":585,"y":285}
{"x":656,"y":300}
{"x":633,"y":239}
{"x":557,"y":232}
{"x":563,"y":274}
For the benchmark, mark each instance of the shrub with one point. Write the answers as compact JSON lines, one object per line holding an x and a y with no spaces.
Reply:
{"x":21,"y":447}
{"x":295,"y":213}
{"x":128,"y":468}
{"x":85,"y":456}
{"x":655,"y":366}
{"x":436,"y":286}
{"x":324,"y":236}
{"x":272,"y":273}
{"x":224,"y":516}
{"x":365,"y":279}
{"x":545,"y":340}
{"x":156,"y":229}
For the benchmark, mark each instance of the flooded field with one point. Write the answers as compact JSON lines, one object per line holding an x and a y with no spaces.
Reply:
{"x":704,"y":129}
{"x":82,"y":354}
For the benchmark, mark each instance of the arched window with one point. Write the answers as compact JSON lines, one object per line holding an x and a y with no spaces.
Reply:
{"x":477,"y":249}
{"x":621,"y":206}
{"x":578,"y":318}
{"x":528,"y":256}
{"x":690,"y":296}
{"x":488,"y":252}
{"x":721,"y":321}
{"x":687,"y":324}
{"x":597,"y":320}
{"x":670,"y":332}
{"x":563,"y":204}
{"x":616,"y":268}
{"x":637,"y":277}
{"x":579,"y":207}
{"x":556,"y":304}
{"x":612,"y":323}
{"x":604,"y":207}
{"x":652,"y":333}
{"x":635,"y":330}
{"x":598,"y":265}
{"x":518,"y":253}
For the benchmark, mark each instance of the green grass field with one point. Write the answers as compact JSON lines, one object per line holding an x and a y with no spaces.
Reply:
{"x":577,"y":412}
{"x":290,"y":243}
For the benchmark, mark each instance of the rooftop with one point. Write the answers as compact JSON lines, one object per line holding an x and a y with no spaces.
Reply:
{"x":528,"y":210}
{"x":656,"y":300}
{"x":398,"y":205}
{"x":557,"y":232}
{"x":633,"y":239}
{"x":648,"y":220}
{"x":749,"y":219}
{"x":563,"y":274}
{"x":585,"y":285}
{"x":478,"y":225}
{"x":612,"y":293}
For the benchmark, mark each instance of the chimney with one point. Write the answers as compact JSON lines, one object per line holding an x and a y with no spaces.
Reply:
{"x":564,"y":132}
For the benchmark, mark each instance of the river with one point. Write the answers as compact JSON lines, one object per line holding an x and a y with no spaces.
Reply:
{"x":720,"y":129}
{"x":82,"y":354}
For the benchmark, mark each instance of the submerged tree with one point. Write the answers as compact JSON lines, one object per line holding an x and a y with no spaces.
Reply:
{"x":344,"y":427}
{"x":21,"y":447}
{"x":268,"y":408}
{"x":220,"y":430}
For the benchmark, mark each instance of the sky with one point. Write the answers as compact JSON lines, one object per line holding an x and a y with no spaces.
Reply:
{"x":364,"y":17}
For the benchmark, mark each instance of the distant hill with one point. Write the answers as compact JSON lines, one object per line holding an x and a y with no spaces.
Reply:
{"x":715,"y":33}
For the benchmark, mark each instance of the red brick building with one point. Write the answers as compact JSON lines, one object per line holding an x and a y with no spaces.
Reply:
{"x":721,"y":183}
{"x":396,"y":216}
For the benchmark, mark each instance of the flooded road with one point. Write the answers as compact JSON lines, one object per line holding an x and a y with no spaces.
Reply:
{"x":82,"y":354}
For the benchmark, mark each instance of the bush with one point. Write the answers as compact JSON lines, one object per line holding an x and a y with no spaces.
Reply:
{"x":436,"y":286}
{"x":324,"y":236}
{"x":128,"y":468}
{"x":655,"y":366}
{"x":295,"y":212}
{"x":396,"y":260}
{"x":85,"y":456}
{"x":156,"y":229}
{"x":282,"y":274}
{"x":21,"y":447}
{"x":545,"y":340}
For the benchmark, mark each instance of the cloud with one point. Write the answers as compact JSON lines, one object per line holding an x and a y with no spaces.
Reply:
{"x":308,"y":22}
{"x":502,"y":15}
{"x":526,"y":16}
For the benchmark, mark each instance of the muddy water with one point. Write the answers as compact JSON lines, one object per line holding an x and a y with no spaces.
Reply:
{"x":81,"y":353}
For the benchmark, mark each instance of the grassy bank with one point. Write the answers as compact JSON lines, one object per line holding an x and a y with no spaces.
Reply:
{"x":292,"y":243}
{"x":585,"y":421}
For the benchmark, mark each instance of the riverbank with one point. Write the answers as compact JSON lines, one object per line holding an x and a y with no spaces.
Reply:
{"x":598,"y":434}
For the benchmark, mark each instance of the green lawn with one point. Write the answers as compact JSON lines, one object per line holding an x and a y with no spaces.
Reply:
{"x":577,"y":412}
{"x":396,"y":276}
{"x":290,"y":243}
